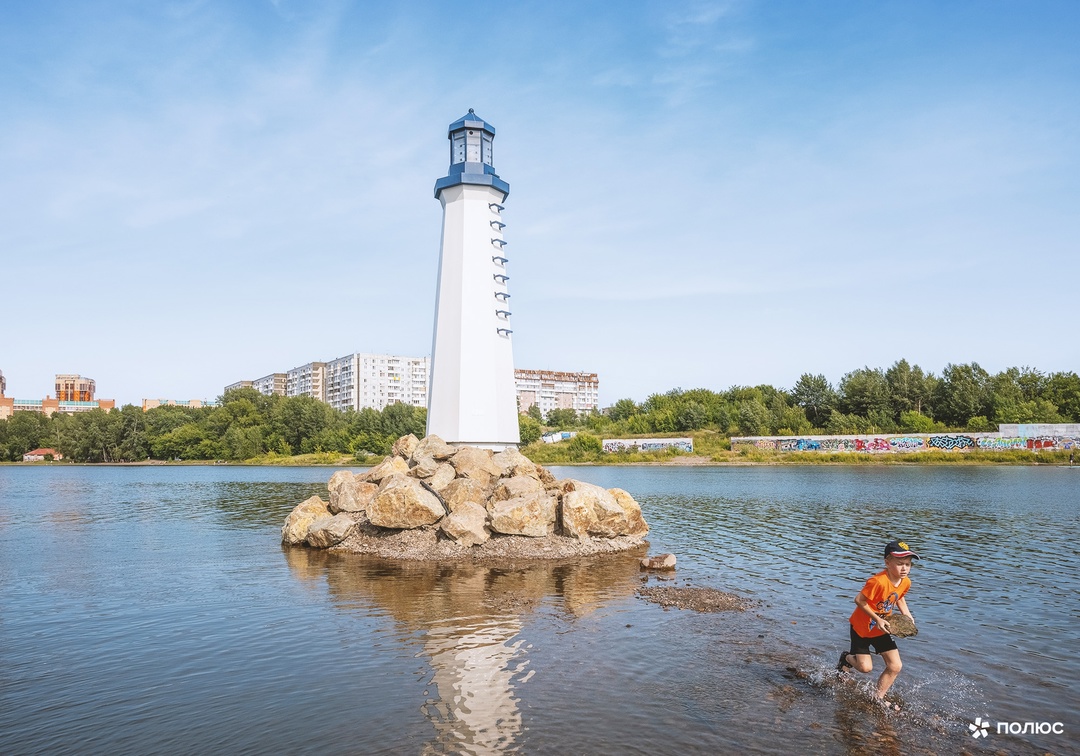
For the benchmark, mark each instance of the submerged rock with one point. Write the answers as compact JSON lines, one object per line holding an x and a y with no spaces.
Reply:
{"x":659,"y":562}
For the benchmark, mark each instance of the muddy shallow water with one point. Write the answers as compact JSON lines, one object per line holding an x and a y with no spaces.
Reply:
{"x":153,"y":610}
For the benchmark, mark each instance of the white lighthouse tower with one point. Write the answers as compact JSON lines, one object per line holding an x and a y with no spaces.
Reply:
{"x":472,"y":399}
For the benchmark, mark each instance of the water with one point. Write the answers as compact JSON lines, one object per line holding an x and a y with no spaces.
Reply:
{"x":152,"y":610}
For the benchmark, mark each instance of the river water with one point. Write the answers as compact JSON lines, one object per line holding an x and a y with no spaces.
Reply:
{"x":152,"y":610}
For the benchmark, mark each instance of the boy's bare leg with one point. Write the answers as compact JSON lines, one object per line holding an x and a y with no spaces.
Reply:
{"x":862,"y":662}
{"x":892,"y":669}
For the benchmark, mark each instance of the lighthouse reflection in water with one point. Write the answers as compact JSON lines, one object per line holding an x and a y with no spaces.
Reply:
{"x":470,"y":624}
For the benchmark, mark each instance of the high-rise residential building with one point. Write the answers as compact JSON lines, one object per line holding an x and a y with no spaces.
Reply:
{"x":376,"y":380}
{"x":270,"y":384}
{"x":74,"y":394}
{"x":550,"y":389}
{"x":307,"y":380}
{"x":3,"y":383}
{"x":74,"y":388}
{"x":354,"y":381}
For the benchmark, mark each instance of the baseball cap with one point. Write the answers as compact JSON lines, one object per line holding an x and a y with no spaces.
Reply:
{"x":899,"y":549}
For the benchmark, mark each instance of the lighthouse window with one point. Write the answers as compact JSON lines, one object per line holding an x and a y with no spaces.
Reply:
{"x":472,"y":148}
{"x":486,"y":146}
{"x":458,"y":155}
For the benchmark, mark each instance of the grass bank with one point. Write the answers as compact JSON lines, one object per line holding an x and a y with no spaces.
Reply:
{"x":712,"y":448}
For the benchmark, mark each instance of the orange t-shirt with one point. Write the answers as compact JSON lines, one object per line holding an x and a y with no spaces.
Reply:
{"x":883,"y":597}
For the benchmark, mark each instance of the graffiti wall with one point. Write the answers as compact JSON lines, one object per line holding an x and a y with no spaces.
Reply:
{"x":907,"y":442}
{"x":648,"y":444}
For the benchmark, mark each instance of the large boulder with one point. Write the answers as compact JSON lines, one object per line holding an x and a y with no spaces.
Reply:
{"x":295,"y":530}
{"x":403,"y":502}
{"x":519,"y":485}
{"x":467,"y":524}
{"x":424,"y":467}
{"x":349,"y":494}
{"x":386,"y":468}
{"x":338,"y":478}
{"x":444,"y":475}
{"x":511,"y":462}
{"x":477,"y":464}
{"x":546,"y":477}
{"x":405,"y":446}
{"x":532,"y":515}
{"x":461,"y":490}
{"x":330,"y":531}
{"x":589,"y":510}
{"x":434,"y":447}
{"x":635,"y":521}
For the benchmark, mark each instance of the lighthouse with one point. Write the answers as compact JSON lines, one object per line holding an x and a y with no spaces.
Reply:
{"x":472,"y":400}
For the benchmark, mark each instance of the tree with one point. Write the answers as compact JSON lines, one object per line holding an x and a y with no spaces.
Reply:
{"x":753,"y":418}
{"x":535,"y":413}
{"x":909,"y":388}
{"x":25,"y":432}
{"x":916,"y":422}
{"x":864,"y":391}
{"x":816,"y":396}
{"x":584,"y":446}
{"x":1063,"y":389}
{"x":401,"y":419}
{"x":529,"y":429}
{"x":131,"y":443}
{"x":298,"y":419}
{"x":562,"y":418}
{"x":962,"y":394}
{"x":691,"y":416}
{"x":623,"y":409}
{"x":597,"y":422}
{"x":189,"y":441}
{"x":242,"y":443}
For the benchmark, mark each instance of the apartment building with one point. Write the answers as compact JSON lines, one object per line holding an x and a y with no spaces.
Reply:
{"x":550,"y":389}
{"x":75,"y":388}
{"x":307,"y":380}
{"x":74,"y":394}
{"x":354,"y":381}
{"x":376,"y":381}
{"x":270,"y":384}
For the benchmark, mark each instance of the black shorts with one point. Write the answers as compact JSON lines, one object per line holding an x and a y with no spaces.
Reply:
{"x":861,"y":645}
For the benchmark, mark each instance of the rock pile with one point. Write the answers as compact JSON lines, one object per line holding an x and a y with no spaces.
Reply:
{"x":468,"y":497}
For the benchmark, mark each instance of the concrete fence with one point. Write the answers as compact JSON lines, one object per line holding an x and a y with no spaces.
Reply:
{"x":893,"y":443}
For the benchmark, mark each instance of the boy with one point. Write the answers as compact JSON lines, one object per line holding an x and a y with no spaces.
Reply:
{"x":869,"y":622}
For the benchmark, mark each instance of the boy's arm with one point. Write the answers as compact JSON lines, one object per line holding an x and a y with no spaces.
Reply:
{"x":901,"y":604}
{"x":864,"y":604}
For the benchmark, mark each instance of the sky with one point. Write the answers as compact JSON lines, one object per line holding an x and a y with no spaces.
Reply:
{"x":702,"y":194}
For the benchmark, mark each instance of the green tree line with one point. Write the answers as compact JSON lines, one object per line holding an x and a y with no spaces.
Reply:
{"x":901,"y":399}
{"x":244,"y":424}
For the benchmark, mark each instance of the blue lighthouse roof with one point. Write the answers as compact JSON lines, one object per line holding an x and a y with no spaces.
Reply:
{"x":471,"y":121}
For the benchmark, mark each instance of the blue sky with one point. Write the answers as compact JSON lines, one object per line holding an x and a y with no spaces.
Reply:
{"x":702,"y":194}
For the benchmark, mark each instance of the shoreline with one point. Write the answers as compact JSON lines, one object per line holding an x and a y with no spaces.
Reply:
{"x":884,"y":461}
